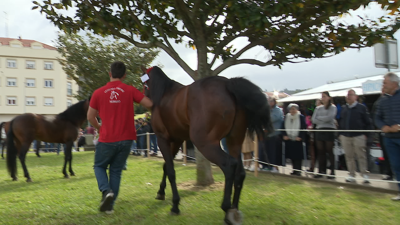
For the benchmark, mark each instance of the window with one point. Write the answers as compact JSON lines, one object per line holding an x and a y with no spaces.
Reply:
{"x":69,"y":103}
{"x":48,"y":101}
{"x":30,"y":64}
{"x":48,"y":65}
{"x":11,"y":100}
{"x":69,"y":88}
{"x":30,"y":101}
{"x":12,"y":82}
{"x":11,"y":63}
{"x":48,"y":83}
{"x":30,"y":82}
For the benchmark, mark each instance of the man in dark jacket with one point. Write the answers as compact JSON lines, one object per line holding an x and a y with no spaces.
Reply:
{"x":354,"y":116}
{"x":387,"y":118}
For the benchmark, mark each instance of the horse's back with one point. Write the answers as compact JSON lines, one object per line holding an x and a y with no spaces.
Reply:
{"x":211,"y":108}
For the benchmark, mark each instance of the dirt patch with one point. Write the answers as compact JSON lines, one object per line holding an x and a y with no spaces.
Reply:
{"x":191,"y":186}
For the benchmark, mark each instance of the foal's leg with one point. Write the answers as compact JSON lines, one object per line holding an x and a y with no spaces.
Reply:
{"x":3,"y":142}
{"x":167,"y":151}
{"x":22,"y":154}
{"x":68,"y":158}
{"x":37,"y":148}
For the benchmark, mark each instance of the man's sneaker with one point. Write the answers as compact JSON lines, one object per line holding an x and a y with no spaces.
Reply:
{"x":110,"y":210}
{"x":366,"y":179}
{"x":350,"y":179}
{"x":106,"y":201}
{"x":397,"y":198}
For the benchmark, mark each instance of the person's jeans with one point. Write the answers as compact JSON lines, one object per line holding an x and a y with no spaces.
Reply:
{"x":153,"y":142}
{"x":113,"y":155}
{"x":392,"y":146}
{"x":49,"y":147}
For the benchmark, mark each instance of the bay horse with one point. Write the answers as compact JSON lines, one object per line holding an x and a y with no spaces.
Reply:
{"x":27,"y":127}
{"x":205,"y":112}
{"x":6,"y":126}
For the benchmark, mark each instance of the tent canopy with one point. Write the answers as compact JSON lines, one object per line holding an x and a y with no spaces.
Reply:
{"x":337,"y":89}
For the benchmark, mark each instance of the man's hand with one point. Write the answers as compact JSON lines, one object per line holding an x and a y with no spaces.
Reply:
{"x":395,"y":128}
{"x":386,"y":129}
{"x":285,"y":138}
{"x":298,"y":139}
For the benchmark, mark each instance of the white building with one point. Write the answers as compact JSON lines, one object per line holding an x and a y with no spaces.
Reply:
{"x":32,"y":80}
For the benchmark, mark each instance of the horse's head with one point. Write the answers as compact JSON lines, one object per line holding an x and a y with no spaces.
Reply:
{"x":146,"y":80}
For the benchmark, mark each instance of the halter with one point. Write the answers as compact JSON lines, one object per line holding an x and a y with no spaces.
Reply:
{"x":145,"y":78}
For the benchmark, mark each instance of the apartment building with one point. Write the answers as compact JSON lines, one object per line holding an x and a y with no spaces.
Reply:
{"x":32,"y":80}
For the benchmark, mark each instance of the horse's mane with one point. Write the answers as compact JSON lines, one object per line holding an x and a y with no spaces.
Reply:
{"x":74,"y":114}
{"x":159,"y":84}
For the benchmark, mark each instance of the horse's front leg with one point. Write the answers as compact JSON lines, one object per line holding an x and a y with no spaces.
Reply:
{"x":37,"y":148}
{"x":167,"y":148}
{"x":161,"y":191}
{"x":68,"y":159}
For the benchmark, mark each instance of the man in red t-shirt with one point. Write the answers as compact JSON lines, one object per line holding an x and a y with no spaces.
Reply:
{"x":113,"y":103}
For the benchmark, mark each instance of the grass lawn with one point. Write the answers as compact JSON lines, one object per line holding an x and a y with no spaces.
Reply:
{"x":268,"y":199}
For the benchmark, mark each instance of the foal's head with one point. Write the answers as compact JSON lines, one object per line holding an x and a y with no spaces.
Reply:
{"x":75,"y":114}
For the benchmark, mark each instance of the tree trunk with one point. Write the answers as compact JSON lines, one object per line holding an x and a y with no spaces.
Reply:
{"x":204,"y":175}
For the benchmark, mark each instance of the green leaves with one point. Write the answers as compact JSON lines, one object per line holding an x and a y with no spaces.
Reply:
{"x":87,"y":60}
{"x":287,"y":29}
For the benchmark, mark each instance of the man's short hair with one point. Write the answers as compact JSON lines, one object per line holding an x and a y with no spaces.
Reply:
{"x":352,"y":91}
{"x":392,"y":77}
{"x":118,"y":69}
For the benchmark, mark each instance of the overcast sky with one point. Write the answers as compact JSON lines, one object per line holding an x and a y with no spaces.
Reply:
{"x":30,"y":24}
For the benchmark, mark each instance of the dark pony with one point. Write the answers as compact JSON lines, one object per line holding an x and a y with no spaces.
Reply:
{"x":6,"y":126}
{"x":27,"y":127}
{"x":205,"y":112}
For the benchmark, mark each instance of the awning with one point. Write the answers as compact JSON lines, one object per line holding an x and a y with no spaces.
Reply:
{"x":341,"y":93}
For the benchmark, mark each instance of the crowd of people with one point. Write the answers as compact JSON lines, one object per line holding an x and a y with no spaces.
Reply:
{"x":313,"y":136}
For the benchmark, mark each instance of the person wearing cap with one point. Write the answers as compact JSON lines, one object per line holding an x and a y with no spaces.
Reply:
{"x":294,"y":138}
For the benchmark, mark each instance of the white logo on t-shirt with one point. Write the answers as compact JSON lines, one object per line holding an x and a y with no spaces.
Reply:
{"x":114,"y":95}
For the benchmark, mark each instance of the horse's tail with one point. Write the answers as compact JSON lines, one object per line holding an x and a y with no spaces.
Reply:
{"x":11,"y":152}
{"x":251,"y":98}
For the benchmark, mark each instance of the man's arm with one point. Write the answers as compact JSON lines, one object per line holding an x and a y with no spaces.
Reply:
{"x":91,"y":116}
{"x":146,"y":102}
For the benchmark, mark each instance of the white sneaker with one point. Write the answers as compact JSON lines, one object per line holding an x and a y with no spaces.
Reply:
{"x":366,"y":179}
{"x":397,"y":198}
{"x":350,"y":179}
{"x":246,"y":167}
{"x":274,"y":170}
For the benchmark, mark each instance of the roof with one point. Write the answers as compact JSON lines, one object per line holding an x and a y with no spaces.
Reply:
{"x":25,"y":42}
{"x":335,"y":89}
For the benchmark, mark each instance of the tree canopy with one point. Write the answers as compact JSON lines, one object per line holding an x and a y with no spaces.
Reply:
{"x":286,"y":29}
{"x":87,"y":60}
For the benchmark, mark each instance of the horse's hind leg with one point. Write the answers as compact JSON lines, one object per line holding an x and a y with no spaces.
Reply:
{"x":3,"y":142}
{"x":22,"y":155}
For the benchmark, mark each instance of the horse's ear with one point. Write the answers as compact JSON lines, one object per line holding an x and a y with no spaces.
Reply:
{"x":143,"y":68}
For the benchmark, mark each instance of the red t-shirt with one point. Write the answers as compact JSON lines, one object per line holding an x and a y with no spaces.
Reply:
{"x":114,"y":102}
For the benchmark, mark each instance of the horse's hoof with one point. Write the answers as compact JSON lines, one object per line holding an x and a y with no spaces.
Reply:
{"x":15,"y":178}
{"x":38,"y":156}
{"x":72,"y":174}
{"x":233,"y":217}
{"x":160,"y":197}
{"x":174,"y":213}
{"x":66,"y":176}
{"x":29,"y":180}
